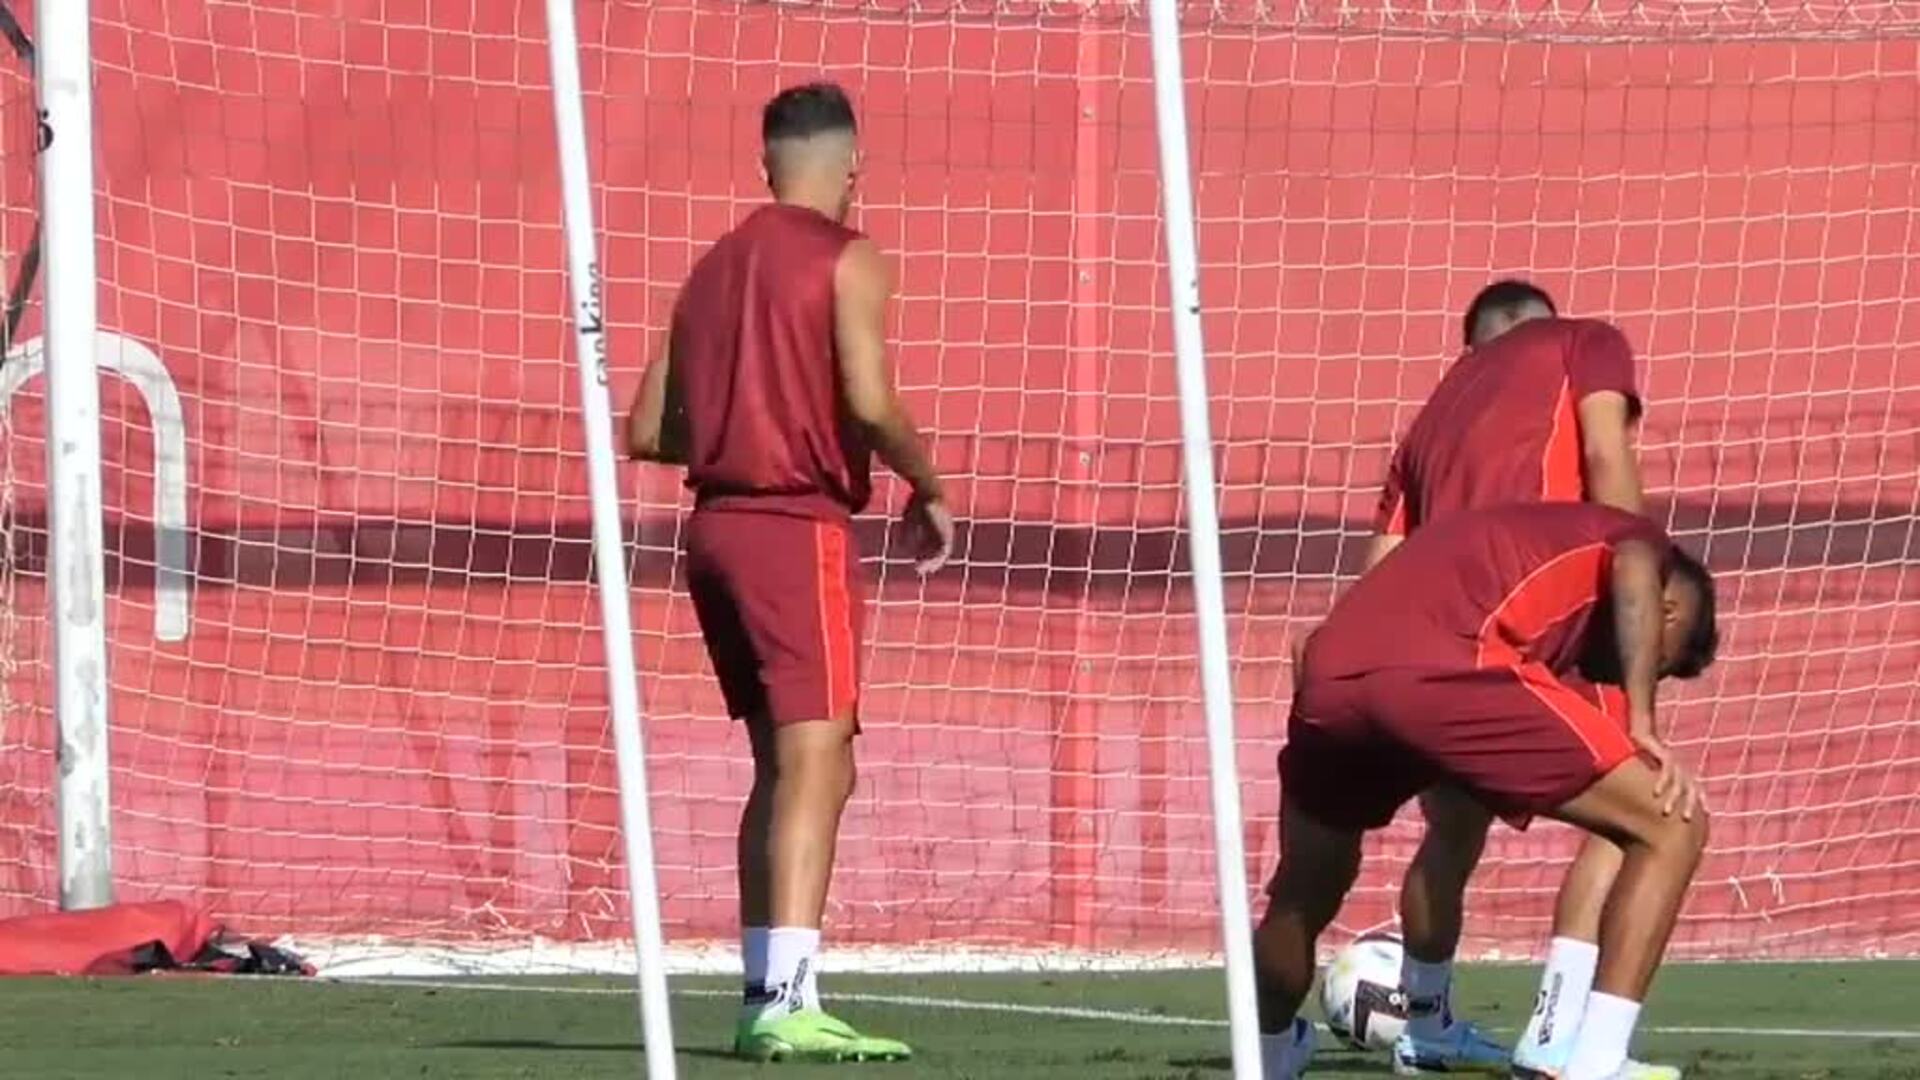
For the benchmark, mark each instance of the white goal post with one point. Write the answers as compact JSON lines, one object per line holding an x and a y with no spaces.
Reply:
{"x":76,"y":577}
{"x":609,"y":542}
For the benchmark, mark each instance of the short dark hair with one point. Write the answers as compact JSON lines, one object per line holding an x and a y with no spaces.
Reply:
{"x":1506,"y":295}
{"x":1703,"y":638}
{"x":800,"y":112}
{"x":1600,"y":656}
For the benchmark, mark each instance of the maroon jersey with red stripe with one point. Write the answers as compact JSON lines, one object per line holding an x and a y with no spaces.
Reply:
{"x":1503,"y":426}
{"x":1484,"y":588}
{"x":753,"y":351}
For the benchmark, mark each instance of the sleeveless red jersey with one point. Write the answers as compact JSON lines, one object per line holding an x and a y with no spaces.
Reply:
{"x":753,"y":351}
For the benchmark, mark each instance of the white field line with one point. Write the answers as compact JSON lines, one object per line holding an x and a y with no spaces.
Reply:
{"x":1064,"y":1012}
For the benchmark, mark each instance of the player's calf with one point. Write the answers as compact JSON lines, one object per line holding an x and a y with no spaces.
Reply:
{"x":1318,"y":864}
{"x":1661,"y":839}
{"x":803,"y":776}
{"x":1432,"y":902}
{"x":1573,"y":954}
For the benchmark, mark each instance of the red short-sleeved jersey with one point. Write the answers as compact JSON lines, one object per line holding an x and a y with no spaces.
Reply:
{"x":1484,"y":588}
{"x":753,"y":352}
{"x":1503,"y":425}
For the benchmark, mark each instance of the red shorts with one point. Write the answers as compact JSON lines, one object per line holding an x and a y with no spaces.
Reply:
{"x":780,"y":602}
{"x":1519,"y":739}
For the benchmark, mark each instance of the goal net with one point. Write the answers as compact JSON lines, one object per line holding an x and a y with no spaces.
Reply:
{"x":24,"y":726}
{"x":337,"y":226}
{"x":1734,"y":185}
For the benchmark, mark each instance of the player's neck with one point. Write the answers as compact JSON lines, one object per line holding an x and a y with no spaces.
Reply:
{"x":826,"y":208}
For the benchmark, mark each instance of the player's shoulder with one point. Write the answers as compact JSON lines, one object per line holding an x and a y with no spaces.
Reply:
{"x":1550,"y":332}
{"x":1592,"y":334}
{"x":1608,"y":524}
{"x":862,"y":264}
{"x":1561,"y":516}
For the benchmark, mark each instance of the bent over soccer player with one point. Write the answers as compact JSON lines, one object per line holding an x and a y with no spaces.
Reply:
{"x":1458,"y":661}
{"x":774,"y":391}
{"x":1538,"y":408}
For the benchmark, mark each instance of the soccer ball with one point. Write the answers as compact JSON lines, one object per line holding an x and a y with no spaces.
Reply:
{"x":1360,"y":993}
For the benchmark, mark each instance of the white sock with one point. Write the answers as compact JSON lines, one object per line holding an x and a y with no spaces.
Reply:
{"x":1605,"y":1033}
{"x":1424,"y":982}
{"x":753,"y":957}
{"x":810,"y":982}
{"x":790,"y":960}
{"x":1562,"y":1000}
{"x":1280,"y":1055}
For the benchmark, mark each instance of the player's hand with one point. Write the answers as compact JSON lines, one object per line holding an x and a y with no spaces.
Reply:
{"x":1675,"y":786}
{"x":930,"y":530}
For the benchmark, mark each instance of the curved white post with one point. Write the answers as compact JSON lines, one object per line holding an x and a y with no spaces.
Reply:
{"x":139,"y":365}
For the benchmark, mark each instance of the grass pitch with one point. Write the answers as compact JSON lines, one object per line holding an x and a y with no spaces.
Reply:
{"x":1752,"y":1021}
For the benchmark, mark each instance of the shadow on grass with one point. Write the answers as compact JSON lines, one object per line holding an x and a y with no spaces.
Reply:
{"x":582,"y":1047}
{"x":706,"y":1053}
{"x":1344,"y":1061}
{"x":543,"y":1044}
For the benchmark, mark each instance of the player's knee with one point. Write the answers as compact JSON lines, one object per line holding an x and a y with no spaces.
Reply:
{"x":1451,"y":810}
{"x":1313,"y":892}
{"x":1697,"y":828}
{"x":829,"y":772}
{"x":1447,"y":858}
{"x":1677,"y":837}
{"x":1318,"y":865}
{"x":816,"y":757}
{"x":1456,"y":834}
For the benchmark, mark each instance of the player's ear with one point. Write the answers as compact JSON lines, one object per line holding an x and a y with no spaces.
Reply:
{"x":766,"y":169}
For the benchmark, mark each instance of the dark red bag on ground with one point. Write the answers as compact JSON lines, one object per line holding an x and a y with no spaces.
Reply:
{"x":129,"y":939}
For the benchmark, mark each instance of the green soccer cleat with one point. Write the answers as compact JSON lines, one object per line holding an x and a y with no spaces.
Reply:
{"x":811,"y":1035}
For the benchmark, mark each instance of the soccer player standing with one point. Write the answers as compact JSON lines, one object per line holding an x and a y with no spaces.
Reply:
{"x":1539,"y":408}
{"x":1457,"y":662}
{"x":775,"y":392}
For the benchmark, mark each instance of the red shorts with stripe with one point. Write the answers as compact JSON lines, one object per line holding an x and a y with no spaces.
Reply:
{"x":780,"y":603}
{"x":1519,"y":738}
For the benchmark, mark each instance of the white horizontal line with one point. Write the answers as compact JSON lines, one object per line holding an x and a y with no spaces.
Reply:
{"x":1064,"y":1012}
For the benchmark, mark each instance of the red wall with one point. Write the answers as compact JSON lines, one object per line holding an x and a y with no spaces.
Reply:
{"x":337,"y":223}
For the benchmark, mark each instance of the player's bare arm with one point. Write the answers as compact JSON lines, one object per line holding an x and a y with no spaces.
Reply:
{"x":657,"y":419}
{"x":1640,"y":620}
{"x":1387,"y":534}
{"x":1390,"y":522}
{"x":1381,"y":546}
{"x":1607,"y":454}
{"x":1636,"y":604}
{"x":862,"y":287}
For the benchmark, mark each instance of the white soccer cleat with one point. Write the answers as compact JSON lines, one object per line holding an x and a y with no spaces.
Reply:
{"x":1524,"y":1069}
{"x":1640,"y":1070}
{"x":1461,"y":1048}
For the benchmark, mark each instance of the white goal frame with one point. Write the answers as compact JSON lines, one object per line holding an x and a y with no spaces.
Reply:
{"x":76,"y":574}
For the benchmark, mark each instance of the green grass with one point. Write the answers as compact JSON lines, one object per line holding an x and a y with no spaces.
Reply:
{"x":295,"y":1029}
